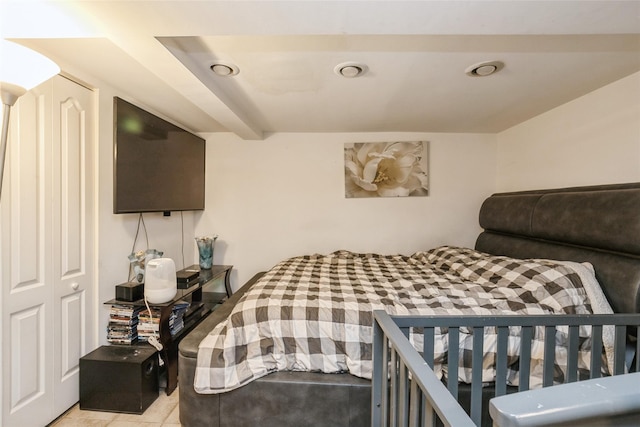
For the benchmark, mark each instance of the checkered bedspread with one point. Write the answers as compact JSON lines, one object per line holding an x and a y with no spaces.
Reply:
{"x":314,"y":313}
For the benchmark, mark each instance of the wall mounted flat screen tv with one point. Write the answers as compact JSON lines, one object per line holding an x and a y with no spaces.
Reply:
{"x":158,"y":167}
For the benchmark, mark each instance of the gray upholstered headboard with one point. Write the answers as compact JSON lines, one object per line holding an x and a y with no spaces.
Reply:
{"x":598,"y":224}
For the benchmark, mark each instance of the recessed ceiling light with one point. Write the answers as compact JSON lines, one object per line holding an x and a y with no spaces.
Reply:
{"x":484,"y":69}
{"x":224,"y":70}
{"x":350,"y":69}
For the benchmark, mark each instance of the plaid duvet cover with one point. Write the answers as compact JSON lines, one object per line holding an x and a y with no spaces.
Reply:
{"x":314,"y":313}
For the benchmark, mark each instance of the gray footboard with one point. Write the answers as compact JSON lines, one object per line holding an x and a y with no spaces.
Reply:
{"x":279,"y":399}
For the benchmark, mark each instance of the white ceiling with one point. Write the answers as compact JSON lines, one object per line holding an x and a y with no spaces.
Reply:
{"x":158,"y":54}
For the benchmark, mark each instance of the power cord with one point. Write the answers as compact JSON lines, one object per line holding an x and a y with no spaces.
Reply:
{"x":182,"y":234}
{"x":154,"y":339}
{"x":135,"y":239}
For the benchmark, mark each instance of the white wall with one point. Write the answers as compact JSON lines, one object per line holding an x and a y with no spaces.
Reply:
{"x":284,"y":196}
{"x":594,"y":139}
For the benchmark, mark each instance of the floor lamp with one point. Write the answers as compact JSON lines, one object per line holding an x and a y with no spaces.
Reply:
{"x":21,"y":69}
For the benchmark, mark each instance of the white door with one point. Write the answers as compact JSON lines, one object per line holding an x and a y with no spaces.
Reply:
{"x":47,"y":220}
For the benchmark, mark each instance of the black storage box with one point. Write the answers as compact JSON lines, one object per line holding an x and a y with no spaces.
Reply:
{"x":187,"y":275}
{"x":187,"y":278}
{"x":118,"y":378}
{"x":130,"y":291}
{"x":187,"y":285}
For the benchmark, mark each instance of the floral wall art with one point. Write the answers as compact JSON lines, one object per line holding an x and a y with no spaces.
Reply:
{"x":386,"y":169}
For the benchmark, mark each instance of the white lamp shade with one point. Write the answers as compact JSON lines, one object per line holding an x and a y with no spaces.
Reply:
{"x":23,"y":67}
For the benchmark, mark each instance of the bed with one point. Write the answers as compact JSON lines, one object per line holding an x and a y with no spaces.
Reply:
{"x":598,"y":225}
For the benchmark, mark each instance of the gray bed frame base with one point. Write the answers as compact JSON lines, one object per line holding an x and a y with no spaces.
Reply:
{"x":598,"y":224}
{"x":279,"y":399}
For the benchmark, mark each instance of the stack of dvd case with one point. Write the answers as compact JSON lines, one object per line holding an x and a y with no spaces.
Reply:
{"x":176,"y":320}
{"x":148,"y":325}
{"x":123,"y":323}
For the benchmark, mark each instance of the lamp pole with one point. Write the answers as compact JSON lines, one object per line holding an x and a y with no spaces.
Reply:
{"x":6,"y":110}
{"x":21,"y":69}
{"x":10,"y":94}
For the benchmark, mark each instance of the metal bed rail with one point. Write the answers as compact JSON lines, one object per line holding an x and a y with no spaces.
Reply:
{"x":406,"y":391}
{"x":395,"y":402}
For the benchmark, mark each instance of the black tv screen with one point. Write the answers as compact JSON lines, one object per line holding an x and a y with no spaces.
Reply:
{"x":158,"y":167}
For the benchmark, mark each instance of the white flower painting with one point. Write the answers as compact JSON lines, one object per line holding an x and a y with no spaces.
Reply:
{"x":386,"y":169}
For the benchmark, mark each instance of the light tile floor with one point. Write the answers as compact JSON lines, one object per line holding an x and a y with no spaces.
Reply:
{"x":162,"y":413}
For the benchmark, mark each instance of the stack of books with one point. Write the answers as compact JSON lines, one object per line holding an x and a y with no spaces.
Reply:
{"x":123,"y":324}
{"x":148,"y":325}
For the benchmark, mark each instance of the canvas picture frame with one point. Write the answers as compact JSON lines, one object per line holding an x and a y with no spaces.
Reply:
{"x":386,"y":169}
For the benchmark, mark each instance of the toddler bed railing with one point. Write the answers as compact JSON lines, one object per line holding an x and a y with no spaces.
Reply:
{"x":407,"y":392}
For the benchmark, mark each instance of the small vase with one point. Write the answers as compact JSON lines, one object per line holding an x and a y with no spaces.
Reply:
{"x":205,"y":251}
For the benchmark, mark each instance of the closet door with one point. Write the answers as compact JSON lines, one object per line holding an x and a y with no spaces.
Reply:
{"x":46,"y":246}
{"x":27,"y":309}
{"x":73,"y":248}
